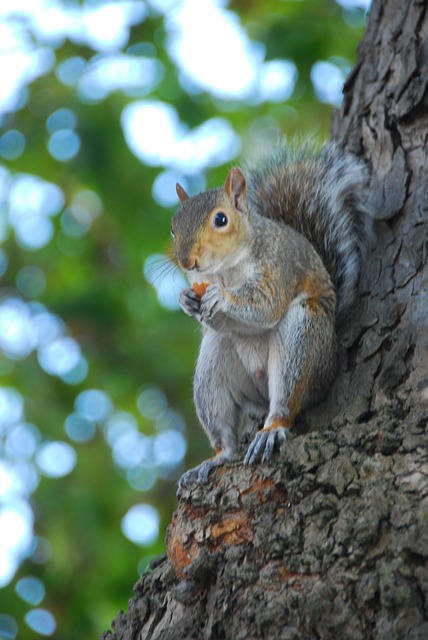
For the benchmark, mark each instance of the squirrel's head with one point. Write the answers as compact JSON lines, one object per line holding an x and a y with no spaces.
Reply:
{"x":210,"y":228}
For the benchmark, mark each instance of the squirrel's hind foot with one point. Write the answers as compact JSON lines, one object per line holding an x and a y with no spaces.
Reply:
{"x":264,"y":444}
{"x":200,"y":474}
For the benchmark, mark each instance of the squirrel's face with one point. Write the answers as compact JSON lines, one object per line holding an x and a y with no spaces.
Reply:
{"x":210,"y":230}
{"x":207,"y":238}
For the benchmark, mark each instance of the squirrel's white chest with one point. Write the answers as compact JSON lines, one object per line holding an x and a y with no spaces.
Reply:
{"x":234,"y":273}
{"x":254,"y":354}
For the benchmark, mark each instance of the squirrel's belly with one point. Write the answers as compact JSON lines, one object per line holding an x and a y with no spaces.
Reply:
{"x":253,"y":354}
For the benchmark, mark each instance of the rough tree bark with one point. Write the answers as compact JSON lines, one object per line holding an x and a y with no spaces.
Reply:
{"x":331,"y":539}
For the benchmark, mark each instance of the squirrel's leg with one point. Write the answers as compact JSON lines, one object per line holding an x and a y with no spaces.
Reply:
{"x":220,"y":383}
{"x":300,"y":368}
{"x":215,"y":406}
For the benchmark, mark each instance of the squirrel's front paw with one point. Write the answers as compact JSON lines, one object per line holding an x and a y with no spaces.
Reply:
{"x":211,"y":302}
{"x":264,"y":444}
{"x":190,"y":302}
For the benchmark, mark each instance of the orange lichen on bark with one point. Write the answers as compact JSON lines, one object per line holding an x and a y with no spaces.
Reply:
{"x":279,"y":573}
{"x":233,"y":529}
{"x":200,"y":287}
{"x":266,"y":491}
{"x":260,"y":485}
{"x":180,"y":555}
{"x":184,"y":545}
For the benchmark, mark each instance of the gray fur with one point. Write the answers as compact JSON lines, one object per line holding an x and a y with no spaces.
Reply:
{"x":323,"y":195}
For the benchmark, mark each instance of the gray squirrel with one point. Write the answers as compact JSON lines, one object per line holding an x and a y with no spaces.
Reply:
{"x":274,"y":258}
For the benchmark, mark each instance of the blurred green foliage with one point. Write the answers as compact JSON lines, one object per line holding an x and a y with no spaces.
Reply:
{"x":95,"y":283}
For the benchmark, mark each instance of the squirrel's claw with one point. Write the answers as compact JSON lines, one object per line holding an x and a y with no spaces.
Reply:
{"x":264,"y":444}
{"x":190,"y":302}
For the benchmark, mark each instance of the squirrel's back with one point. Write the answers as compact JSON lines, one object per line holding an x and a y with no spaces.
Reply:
{"x":323,"y":195}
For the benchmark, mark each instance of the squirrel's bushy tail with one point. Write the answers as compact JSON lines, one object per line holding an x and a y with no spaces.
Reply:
{"x":323,"y":195}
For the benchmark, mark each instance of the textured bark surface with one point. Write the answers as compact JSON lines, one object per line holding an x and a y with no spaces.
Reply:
{"x":331,"y":539}
{"x":330,"y":544}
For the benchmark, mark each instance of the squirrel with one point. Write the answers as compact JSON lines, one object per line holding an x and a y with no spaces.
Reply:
{"x":279,"y":250}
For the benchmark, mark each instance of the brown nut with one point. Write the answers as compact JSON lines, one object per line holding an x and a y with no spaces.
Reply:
{"x":200,"y":287}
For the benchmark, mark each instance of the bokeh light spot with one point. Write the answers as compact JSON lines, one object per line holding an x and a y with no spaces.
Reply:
{"x":169,"y":448}
{"x":141,"y":478}
{"x":151,"y":402}
{"x":17,"y":335}
{"x":79,"y":428}
{"x":76,"y":374}
{"x":31,"y":281}
{"x":141,"y":524}
{"x":8,"y":627}
{"x":69,"y":71}
{"x":277,"y":80}
{"x":64,"y":145}
{"x":56,"y":459}
{"x":155,"y":134}
{"x":60,"y":356}
{"x":94,"y":405}
{"x":32,"y":201}
{"x":41,"y":621}
{"x":90,"y":201}
{"x":61,"y":119}
{"x":31,"y":193}
{"x":34,"y":232}
{"x":76,"y":221}
{"x":119,"y":424}
{"x":194,"y":26}
{"x":22,"y":441}
{"x":8,"y":480}
{"x":170,"y":419}
{"x":31,"y":590}
{"x":16,"y":526}
{"x":11,"y":407}
{"x":164,"y":191}
{"x":12,"y":144}
{"x":134,"y":75}
{"x":41,"y":550}
{"x":47,"y":326}
{"x":28,"y":476}
{"x":133,"y":449}
{"x":327,"y":80}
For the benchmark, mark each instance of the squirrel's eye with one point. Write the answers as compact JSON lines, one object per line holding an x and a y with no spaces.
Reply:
{"x":220,"y":219}
{"x":172,"y":232}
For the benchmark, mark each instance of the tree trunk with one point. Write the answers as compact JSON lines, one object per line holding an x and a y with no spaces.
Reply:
{"x":331,"y":539}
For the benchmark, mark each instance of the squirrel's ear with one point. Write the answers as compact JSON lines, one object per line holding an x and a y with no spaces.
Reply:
{"x":236,"y":188}
{"x":182,"y":195}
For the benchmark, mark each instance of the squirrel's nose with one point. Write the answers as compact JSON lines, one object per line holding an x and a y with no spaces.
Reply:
{"x":189,"y":264}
